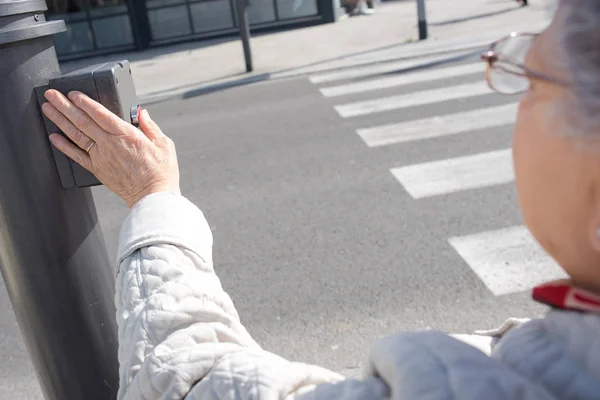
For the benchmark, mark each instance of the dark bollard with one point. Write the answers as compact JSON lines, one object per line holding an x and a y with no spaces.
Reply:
{"x":242,"y":15}
{"x":422,"y":16}
{"x":52,"y":253}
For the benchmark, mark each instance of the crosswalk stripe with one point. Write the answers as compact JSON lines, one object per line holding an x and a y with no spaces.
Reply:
{"x":428,"y":75}
{"x":438,"y":126}
{"x":456,"y":174}
{"x":412,"y":99}
{"x":378,"y":68}
{"x":507,"y":260}
{"x":423,"y":49}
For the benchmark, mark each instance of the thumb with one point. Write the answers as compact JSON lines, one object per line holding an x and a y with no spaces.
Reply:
{"x":149,"y":127}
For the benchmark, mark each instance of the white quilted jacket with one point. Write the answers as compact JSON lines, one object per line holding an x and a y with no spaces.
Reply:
{"x":180,"y":337}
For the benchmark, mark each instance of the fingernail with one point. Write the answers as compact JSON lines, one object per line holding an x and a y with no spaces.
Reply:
{"x":73,"y":95}
{"x":48,"y":94}
{"x":53,"y":137}
{"x":147,"y":115}
{"x":46,"y":107}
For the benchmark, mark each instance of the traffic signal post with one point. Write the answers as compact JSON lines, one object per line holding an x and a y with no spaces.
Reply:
{"x":244,"y":27}
{"x":52,"y":253}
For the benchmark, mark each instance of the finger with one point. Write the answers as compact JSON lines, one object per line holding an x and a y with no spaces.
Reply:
{"x":149,"y":127}
{"x":77,"y":117}
{"x":63,"y":123}
{"x":105,"y":119}
{"x":71,"y":151}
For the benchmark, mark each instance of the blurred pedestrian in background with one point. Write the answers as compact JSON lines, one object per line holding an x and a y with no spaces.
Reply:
{"x":360,"y":7}
{"x":365,"y":7}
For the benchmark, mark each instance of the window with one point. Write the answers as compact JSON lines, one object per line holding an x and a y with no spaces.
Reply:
{"x":91,"y":25}
{"x":296,"y":8}
{"x":173,"y":18}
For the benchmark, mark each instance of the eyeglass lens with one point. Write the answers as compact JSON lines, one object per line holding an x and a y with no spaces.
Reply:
{"x":507,"y":74}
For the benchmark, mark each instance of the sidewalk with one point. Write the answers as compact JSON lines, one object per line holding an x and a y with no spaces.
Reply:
{"x":389,"y":35}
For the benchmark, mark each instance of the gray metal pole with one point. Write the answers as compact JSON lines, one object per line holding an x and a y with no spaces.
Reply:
{"x":52,"y":254}
{"x":422,"y":15}
{"x":242,"y":15}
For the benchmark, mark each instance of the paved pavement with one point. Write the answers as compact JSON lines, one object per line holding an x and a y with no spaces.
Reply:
{"x":369,"y":197}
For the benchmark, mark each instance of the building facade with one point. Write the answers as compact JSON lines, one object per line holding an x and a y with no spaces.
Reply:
{"x":105,"y":26}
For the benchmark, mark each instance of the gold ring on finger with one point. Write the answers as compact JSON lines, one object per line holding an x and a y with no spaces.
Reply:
{"x":89,"y":146}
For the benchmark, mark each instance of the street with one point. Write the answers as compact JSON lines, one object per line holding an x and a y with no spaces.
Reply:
{"x":320,"y":246}
{"x":347,"y":205}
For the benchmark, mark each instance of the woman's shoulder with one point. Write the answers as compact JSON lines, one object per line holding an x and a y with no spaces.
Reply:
{"x":560,"y":351}
{"x":577,"y":333}
{"x":556,"y":356}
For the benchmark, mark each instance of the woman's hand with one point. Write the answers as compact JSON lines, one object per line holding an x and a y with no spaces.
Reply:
{"x":131,"y":162}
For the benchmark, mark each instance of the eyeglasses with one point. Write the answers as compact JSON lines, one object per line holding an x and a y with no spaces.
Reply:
{"x":506,"y":72}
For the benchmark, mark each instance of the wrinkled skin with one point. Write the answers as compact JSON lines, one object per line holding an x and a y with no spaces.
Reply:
{"x":557,"y":167}
{"x":131,"y":162}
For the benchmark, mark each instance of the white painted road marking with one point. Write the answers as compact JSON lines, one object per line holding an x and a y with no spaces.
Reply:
{"x":412,"y":99}
{"x":427,"y":75}
{"x":377,"y":68}
{"x":443,"y":125}
{"x":422,"y":49}
{"x":456,"y":174}
{"x":507,"y":260}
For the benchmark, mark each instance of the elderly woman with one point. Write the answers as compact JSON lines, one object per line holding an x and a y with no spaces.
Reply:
{"x":181,"y":337}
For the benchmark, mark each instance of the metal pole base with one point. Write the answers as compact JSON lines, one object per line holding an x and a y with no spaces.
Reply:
{"x":242,"y":14}
{"x":422,"y":30}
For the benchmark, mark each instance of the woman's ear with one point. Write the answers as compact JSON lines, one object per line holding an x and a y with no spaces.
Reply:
{"x":594,"y":204}
{"x":595,"y":238}
{"x":594,"y":230}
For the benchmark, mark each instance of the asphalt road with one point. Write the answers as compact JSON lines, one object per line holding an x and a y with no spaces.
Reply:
{"x":318,"y":244}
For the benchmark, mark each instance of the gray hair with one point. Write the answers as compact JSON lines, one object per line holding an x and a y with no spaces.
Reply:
{"x":580,"y":47}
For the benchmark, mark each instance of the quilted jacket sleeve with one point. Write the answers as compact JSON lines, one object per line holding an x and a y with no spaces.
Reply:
{"x":178,"y":329}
